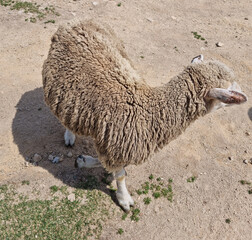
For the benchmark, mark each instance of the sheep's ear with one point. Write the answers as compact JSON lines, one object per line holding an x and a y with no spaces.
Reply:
{"x":198,"y":59}
{"x":227,"y":96}
{"x":235,"y":86}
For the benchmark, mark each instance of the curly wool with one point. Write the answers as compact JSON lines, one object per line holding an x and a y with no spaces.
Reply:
{"x":92,"y":88}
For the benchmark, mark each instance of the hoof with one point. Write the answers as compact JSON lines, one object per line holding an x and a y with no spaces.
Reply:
{"x":125,"y":201}
{"x":69,"y":138}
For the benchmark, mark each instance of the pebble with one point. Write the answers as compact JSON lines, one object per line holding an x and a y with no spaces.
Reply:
{"x":56,"y":160}
{"x":247,"y":133}
{"x":230,"y":158}
{"x":149,"y":19}
{"x":250,"y":160}
{"x":36,"y":158}
{"x":245,"y":161}
{"x":219,"y":44}
{"x":26,"y":164}
{"x":71,"y":197}
{"x":95,"y":3}
{"x":50,"y":157}
{"x":69,"y":154}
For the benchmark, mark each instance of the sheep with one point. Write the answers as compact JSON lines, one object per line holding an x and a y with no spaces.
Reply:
{"x":92,"y":88}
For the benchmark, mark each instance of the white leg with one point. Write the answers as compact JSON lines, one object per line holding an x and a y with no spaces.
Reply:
{"x":85,"y":161}
{"x":122,"y":193}
{"x":69,"y":138}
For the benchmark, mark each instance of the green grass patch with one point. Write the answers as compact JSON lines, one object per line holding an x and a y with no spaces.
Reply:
{"x":38,"y":12}
{"x":56,"y":218}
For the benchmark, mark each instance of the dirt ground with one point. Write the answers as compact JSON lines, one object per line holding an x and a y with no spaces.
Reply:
{"x":158,"y":38}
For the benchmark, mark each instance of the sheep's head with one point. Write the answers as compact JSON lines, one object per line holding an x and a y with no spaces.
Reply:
{"x":223,"y":90}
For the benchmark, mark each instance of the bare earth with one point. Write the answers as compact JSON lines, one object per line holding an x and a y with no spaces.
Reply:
{"x":157,"y":37}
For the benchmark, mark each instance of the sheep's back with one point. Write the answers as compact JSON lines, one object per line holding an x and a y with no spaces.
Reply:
{"x":86,"y":72}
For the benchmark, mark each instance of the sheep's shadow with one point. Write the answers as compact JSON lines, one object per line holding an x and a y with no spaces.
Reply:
{"x":250,"y":113}
{"x":36,"y":130}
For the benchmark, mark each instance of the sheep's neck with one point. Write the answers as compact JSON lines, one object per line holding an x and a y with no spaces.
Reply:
{"x":174,"y":106}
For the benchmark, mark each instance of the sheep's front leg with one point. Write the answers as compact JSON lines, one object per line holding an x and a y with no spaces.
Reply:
{"x":122,"y":193}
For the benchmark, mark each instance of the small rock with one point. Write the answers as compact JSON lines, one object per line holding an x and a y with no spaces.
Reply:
{"x":56,"y":160}
{"x":36,"y":158}
{"x":250,"y":160}
{"x":71,"y":197}
{"x":149,"y":19}
{"x":247,"y":133}
{"x":61,"y":158}
{"x":219,"y":44}
{"x":230,"y":158}
{"x":245,"y":161}
{"x":69,"y":154}
{"x":95,"y":3}
{"x":245,"y":18}
{"x":245,"y":151}
{"x":50,"y":157}
{"x":26,"y":164}
{"x":173,"y":17}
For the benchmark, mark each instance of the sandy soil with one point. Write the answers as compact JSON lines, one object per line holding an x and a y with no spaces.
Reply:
{"x":160,"y":31}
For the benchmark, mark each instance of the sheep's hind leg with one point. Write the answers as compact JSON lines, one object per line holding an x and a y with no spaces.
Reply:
{"x":85,"y":161}
{"x":69,"y":138}
{"x":122,"y":193}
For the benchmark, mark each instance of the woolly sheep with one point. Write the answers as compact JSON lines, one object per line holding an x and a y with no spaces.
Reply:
{"x":92,"y":88}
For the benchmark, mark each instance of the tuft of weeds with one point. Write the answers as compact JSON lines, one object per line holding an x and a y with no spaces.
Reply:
{"x":37,"y":11}
{"x":156,"y":195}
{"x":54,"y":189}
{"x":151,"y":177}
{"x":198,"y":36}
{"x":191,"y":179}
{"x":135,"y":214}
{"x":244,"y":182}
{"x":49,"y":21}
{"x":124,"y":216}
{"x":25,"y":182}
{"x":119,"y":4}
{"x":147,"y":200}
{"x":176,"y":49}
{"x":228,"y":220}
{"x":120,"y":231}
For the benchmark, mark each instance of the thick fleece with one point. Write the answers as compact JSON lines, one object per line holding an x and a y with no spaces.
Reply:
{"x":91,"y":86}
